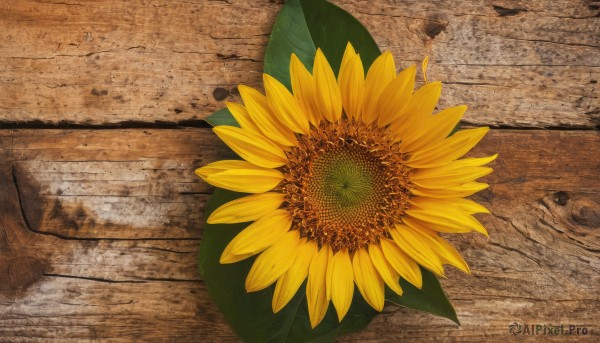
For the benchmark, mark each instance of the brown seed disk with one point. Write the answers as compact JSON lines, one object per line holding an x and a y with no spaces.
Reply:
{"x":344,"y":184}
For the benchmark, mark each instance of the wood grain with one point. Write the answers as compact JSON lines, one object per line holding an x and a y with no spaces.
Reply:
{"x":515,"y":63}
{"x":99,"y":231}
{"x":100,"y":227}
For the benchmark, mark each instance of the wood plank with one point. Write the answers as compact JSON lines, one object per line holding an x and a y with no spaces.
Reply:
{"x":515,"y":63}
{"x":129,"y":278}
{"x":87,"y":183}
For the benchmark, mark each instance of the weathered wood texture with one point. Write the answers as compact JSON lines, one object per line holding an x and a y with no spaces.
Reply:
{"x":516,"y":63}
{"x":99,"y":232}
{"x":99,"y":229}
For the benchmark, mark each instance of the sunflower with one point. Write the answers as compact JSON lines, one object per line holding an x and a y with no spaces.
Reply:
{"x":351,"y":180}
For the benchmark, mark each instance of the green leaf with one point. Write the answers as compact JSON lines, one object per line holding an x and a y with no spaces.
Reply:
{"x":222,"y":117}
{"x":431,"y":298}
{"x":290,"y":35}
{"x":331,"y":28}
{"x":302,"y":26}
{"x":250,"y":314}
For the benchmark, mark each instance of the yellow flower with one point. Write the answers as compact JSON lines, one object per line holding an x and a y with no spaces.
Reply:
{"x":352,"y":180}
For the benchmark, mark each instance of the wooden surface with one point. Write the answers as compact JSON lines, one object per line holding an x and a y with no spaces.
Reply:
{"x":516,"y":63}
{"x":101,"y":107}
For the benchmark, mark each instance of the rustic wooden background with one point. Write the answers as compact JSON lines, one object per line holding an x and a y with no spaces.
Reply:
{"x":101,"y":126}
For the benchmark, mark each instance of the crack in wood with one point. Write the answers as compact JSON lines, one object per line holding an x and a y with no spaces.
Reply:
{"x":508,"y":12}
{"x":504,"y":247}
{"x":28,"y":226}
{"x":21,"y":208}
{"x":10,"y":125}
{"x":97,"y":279}
{"x":131,"y":124}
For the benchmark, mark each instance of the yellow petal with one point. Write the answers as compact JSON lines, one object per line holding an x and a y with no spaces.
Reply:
{"x":252,"y":147}
{"x":418,"y":249}
{"x":446,"y":253}
{"x":368,"y":280}
{"x":464,"y":190}
{"x":220,"y":166}
{"x":433,"y":130}
{"x":457,"y":166}
{"x":402,"y":263}
{"x":246,"y":209}
{"x":396,"y":96}
{"x":444,"y":250}
{"x":285,"y":106}
{"x":413,"y":222}
{"x":419,"y":108}
{"x":273,"y":262}
{"x":448,"y":216}
{"x":242,"y":117}
{"x":258,"y":236}
{"x":288,"y":284}
{"x":244,"y":178}
{"x":450,"y":178}
{"x":327,"y":93}
{"x":469,"y":206}
{"x":474,"y":161}
{"x":381,"y":72}
{"x":265,"y":119}
{"x":450,"y":171}
{"x":447,"y":150}
{"x":227,"y":257}
{"x":304,"y":90}
{"x":351,"y":81}
{"x":387,"y":272}
{"x":349,"y":53}
{"x":340,"y":279}
{"x":317,"y":295}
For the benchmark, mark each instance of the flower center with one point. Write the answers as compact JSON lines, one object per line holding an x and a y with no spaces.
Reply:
{"x":345,"y":183}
